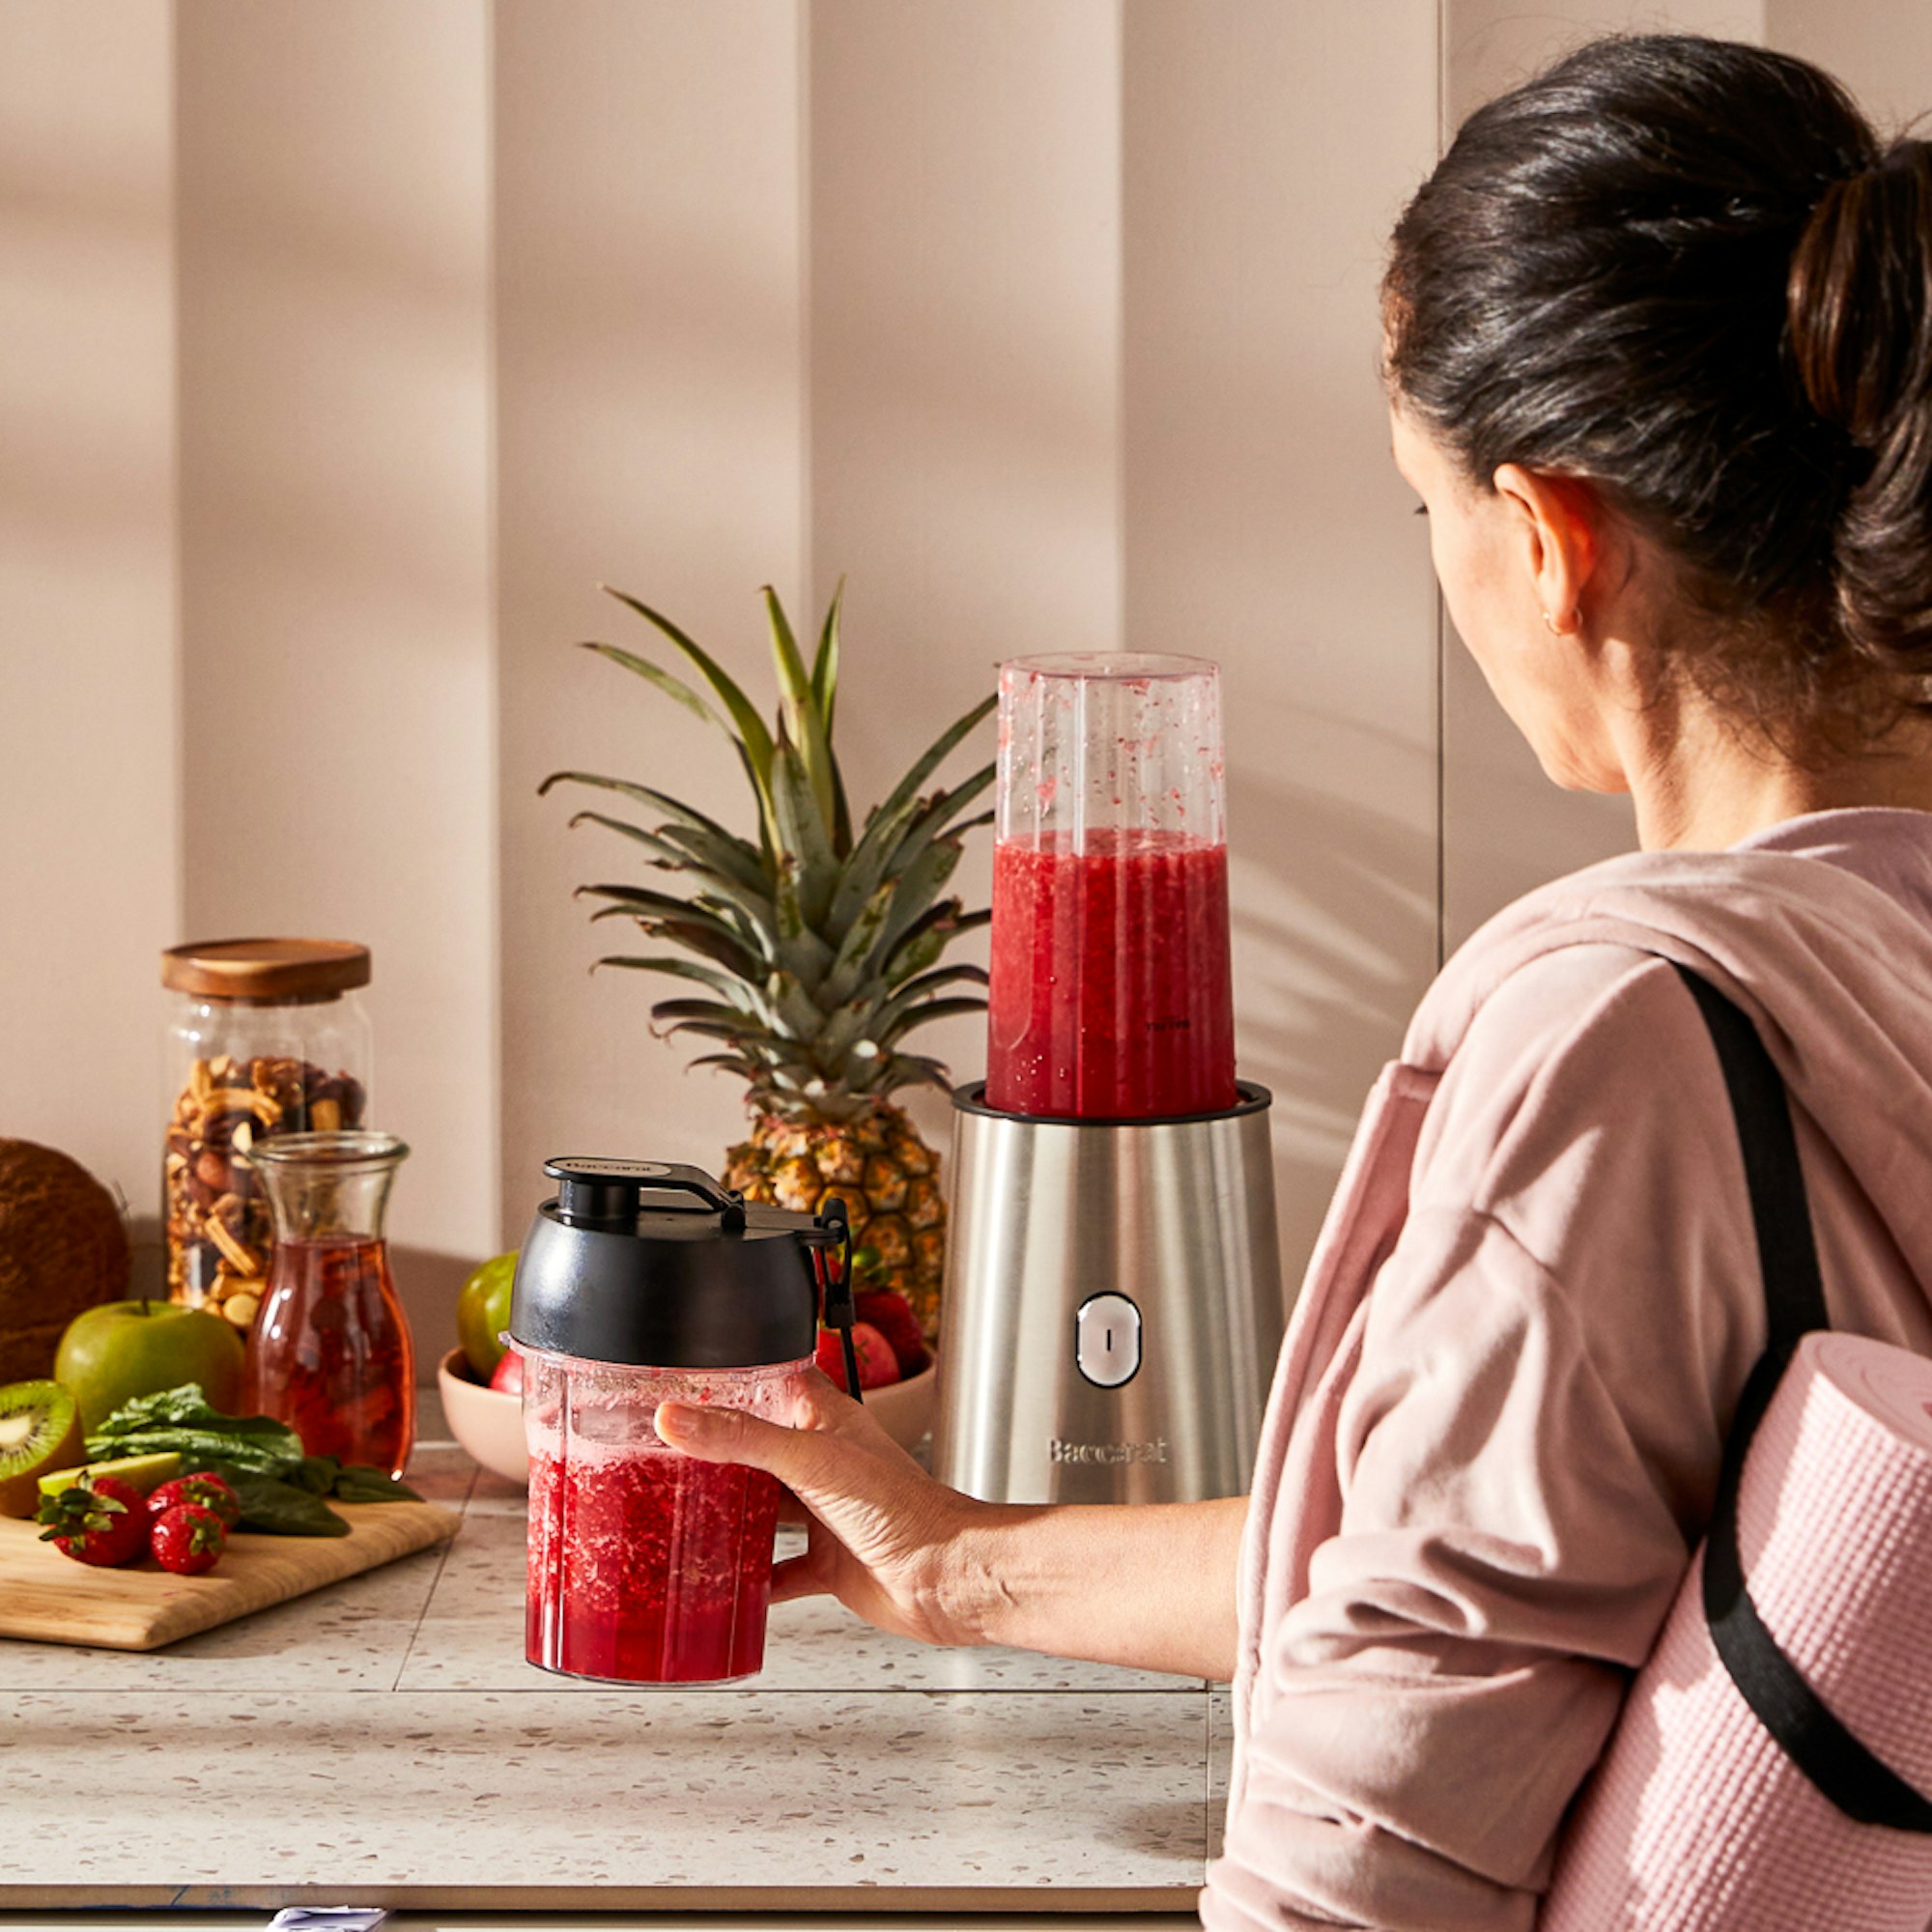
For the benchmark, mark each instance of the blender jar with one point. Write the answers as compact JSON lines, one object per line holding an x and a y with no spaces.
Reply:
{"x":265,"y":1036}
{"x":1111,"y":994}
{"x":646,"y":1565}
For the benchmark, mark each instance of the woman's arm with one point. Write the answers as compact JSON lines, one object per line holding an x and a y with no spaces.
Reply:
{"x":1149,"y":1586}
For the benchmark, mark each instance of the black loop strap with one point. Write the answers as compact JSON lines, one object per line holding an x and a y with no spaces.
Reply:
{"x":1859,"y":1785}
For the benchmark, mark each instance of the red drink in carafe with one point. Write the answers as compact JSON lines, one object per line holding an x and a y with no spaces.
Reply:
{"x":330,"y":1353}
{"x":1111,"y":994}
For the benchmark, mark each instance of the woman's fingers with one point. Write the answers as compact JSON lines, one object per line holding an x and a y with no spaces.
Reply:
{"x":799,"y":1576}
{"x":880,"y":1527}
{"x":731,"y":1435}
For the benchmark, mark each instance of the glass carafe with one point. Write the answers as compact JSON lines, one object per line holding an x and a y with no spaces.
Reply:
{"x":330,"y":1353}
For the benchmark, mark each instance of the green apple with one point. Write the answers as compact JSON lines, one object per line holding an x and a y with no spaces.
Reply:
{"x":111,"y":1353}
{"x":483,"y":1312}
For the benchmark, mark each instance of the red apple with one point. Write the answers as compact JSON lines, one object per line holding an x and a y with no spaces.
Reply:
{"x":509,"y":1374}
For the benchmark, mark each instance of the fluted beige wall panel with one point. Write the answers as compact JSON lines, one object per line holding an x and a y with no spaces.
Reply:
{"x":334,"y":528}
{"x":1267,"y":151}
{"x":90,"y":854}
{"x":649,"y":420}
{"x":1053,"y":325}
{"x":965,"y":370}
{"x":1881,"y":50}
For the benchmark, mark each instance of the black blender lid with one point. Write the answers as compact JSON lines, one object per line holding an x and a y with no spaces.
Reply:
{"x":655,"y":1264}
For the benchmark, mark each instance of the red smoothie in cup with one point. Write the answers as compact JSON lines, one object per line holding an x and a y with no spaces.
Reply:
{"x":645,"y":1566}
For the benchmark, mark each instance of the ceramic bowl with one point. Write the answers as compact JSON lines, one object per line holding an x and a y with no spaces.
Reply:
{"x":489,"y":1424}
{"x":905,"y":1409}
{"x":486,"y":1422}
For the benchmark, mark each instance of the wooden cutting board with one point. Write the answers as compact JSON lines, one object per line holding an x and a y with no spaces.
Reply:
{"x":53,"y":1599}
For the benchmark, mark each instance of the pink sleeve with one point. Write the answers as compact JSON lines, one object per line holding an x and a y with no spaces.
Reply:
{"x":1527,"y":1453}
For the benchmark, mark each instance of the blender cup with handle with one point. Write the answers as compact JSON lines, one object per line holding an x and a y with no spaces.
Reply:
{"x":644,"y":1283}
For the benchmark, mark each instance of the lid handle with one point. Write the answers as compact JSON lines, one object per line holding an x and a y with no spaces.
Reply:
{"x":832,"y":1260}
{"x":607,"y":1193}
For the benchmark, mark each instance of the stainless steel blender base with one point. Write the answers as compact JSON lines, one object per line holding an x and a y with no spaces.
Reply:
{"x":1113,"y":1305}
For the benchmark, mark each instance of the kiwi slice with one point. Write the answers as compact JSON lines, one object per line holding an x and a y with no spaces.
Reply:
{"x":144,"y":1473}
{"x":40,"y":1430}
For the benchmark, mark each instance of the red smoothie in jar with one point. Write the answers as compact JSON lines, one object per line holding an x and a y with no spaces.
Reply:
{"x":650,"y":1567}
{"x":1112,"y":993}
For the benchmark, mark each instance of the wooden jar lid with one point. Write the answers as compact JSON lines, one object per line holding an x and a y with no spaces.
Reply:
{"x":291,"y":970}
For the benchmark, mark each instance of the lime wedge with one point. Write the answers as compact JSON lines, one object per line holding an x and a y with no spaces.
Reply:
{"x":143,"y":1472}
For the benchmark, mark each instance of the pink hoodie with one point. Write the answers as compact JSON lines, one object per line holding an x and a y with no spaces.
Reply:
{"x":1480,"y":1484}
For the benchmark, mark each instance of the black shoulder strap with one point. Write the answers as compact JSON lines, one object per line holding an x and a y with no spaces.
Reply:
{"x":1859,"y":1785}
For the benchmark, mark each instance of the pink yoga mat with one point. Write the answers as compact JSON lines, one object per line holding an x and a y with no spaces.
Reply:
{"x":1695,"y":1820}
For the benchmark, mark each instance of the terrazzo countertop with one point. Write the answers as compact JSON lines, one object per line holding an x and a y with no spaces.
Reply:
{"x":384,"y":1741}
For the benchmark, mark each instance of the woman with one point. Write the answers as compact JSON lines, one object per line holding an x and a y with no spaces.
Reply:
{"x":1660,"y":365}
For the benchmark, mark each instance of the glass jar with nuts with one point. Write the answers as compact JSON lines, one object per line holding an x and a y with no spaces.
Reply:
{"x":265,"y":1036}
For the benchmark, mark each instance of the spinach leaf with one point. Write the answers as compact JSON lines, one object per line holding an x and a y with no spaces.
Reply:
{"x":359,"y":1483}
{"x":279,"y":1509}
{"x":316,"y":1474}
{"x":196,"y":1447}
{"x":280,"y":1490}
{"x":182,"y":1419}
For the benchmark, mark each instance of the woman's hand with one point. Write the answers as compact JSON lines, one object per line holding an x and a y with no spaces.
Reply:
{"x":1149,"y":1584}
{"x":891,"y":1545}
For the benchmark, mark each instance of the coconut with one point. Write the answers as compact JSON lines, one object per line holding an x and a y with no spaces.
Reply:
{"x":61,"y":1249}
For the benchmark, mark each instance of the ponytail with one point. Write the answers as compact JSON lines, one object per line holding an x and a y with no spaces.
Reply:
{"x":1859,"y":311}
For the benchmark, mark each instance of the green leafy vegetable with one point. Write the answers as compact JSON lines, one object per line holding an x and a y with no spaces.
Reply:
{"x":316,"y":1474}
{"x":359,"y":1483}
{"x":195,"y":1447}
{"x":183,"y":1420}
{"x":280,"y":1489}
{"x":278,"y":1509}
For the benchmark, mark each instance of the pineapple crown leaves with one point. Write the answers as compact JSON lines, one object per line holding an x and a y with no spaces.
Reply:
{"x":817,"y":943}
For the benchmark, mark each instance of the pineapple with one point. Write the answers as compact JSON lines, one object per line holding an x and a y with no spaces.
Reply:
{"x":816,"y":950}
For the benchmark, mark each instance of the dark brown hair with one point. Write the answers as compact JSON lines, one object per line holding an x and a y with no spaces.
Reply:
{"x":1688,"y":271}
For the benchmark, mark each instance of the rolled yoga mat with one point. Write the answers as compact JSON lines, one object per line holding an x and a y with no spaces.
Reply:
{"x":1695,"y":1820}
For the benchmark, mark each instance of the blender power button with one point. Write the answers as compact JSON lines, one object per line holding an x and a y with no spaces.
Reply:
{"x":1107,"y":1340}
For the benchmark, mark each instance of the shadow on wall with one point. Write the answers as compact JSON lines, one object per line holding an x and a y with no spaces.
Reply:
{"x":1330,"y":943}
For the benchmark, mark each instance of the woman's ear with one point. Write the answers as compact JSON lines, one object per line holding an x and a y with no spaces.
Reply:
{"x":1558,"y":531}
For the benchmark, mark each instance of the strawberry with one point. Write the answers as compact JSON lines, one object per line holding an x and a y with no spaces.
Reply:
{"x":890,"y":1314}
{"x":188,"y":1539}
{"x":877,"y":1365}
{"x":104,"y":1520}
{"x":209,"y":1492}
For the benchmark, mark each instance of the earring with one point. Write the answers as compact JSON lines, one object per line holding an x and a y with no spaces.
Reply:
{"x":1555,"y":629}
